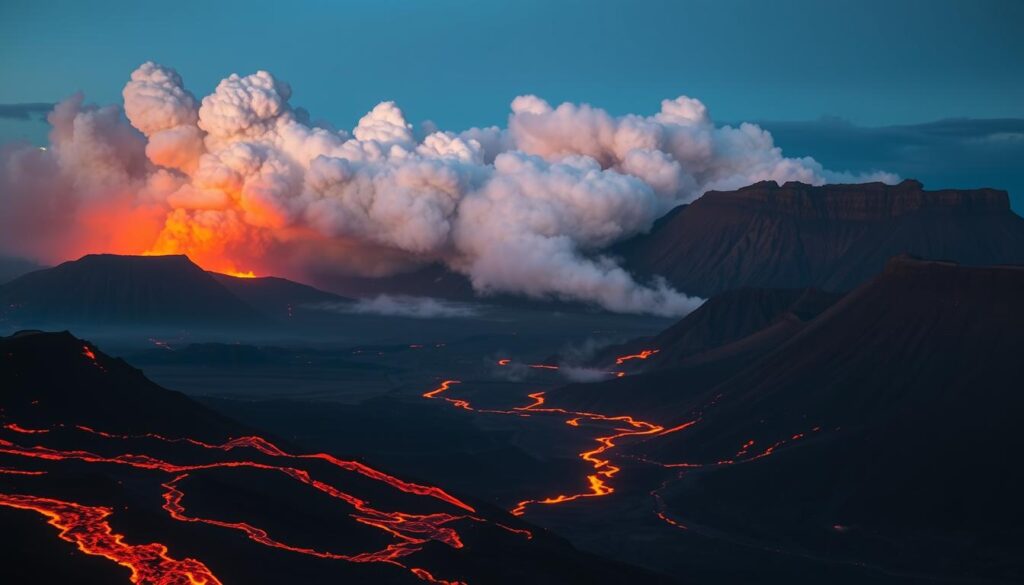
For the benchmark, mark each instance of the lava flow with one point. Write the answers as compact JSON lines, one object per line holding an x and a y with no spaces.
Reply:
{"x":150,"y":564}
{"x":644,"y":354}
{"x":88,"y":529}
{"x":660,"y":509}
{"x":553,"y":367}
{"x":604,"y":470}
{"x":465,"y":404}
{"x":598,"y":482}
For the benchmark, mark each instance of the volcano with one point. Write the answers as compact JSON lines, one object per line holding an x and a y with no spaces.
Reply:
{"x":277,"y":297}
{"x":875,"y":433}
{"x":832,"y":237}
{"x":106,"y":289}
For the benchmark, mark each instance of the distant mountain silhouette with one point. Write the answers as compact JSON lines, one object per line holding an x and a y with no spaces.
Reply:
{"x":832,"y":237}
{"x":882,"y":427}
{"x":105,"y":289}
{"x":274,"y":296}
{"x":11,"y":268}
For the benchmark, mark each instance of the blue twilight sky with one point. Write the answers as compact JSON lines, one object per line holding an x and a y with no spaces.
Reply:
{"x":838,"y":64}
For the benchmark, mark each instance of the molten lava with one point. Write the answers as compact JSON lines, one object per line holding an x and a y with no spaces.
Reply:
{"x":644,"y":354}
{"x":553,"y":367}
{"x":87,"y":526}
{"x":88,"y":529}
{"x":598,"y":482}
{"x":604,"y":470}
{"x":464,"y":404}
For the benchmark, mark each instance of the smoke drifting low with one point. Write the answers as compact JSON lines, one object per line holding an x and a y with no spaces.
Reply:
{"x":404,"y":306}
{"x":241,"y":180}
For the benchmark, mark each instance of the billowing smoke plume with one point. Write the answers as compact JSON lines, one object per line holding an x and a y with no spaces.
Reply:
{"x":240,"y":180}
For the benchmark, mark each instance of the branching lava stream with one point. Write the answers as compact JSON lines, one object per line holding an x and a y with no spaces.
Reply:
{"x":625,"y":426}
{"x":86,"y":526}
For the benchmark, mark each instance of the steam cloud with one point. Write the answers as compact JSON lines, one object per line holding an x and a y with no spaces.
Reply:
{"x":241,"y":180}
{"x":404,"y":306}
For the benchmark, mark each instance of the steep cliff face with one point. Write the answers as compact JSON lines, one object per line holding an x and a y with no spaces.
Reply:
{"x":864,"y":202}
{"x":733,"y":316}
{"x":833,"y":237}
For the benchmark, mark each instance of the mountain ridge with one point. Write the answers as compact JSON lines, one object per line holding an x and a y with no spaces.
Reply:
{"x":832,"y":237}
{"x":851,"y":431}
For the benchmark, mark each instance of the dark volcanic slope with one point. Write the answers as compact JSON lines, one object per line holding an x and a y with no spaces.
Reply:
{"x":832,"y":237}
{"x":274,"y":296}
{"x":122,"y":468}
{"x":717,"y":340}
{"x":921,"y":336}
{"x":723,"y":319}
{"x":119,"y":290}
{"x":11,"y":268}
{"x":881,"y":434}
{"x":52,"y":378}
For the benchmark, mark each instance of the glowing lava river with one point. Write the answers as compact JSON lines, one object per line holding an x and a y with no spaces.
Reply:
{"x":619,"y":428}
{"x":603,"y":470}
{"x":395,"y":524}
{"x":88,"y":526}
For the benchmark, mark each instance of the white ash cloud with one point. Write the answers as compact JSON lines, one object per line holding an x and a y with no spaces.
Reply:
{"x":242,"y":180}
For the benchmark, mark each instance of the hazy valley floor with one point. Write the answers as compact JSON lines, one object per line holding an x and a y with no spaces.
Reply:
{"x":368,"y":401}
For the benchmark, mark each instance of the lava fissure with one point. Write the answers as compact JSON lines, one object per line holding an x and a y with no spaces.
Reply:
{"x":604,"y":469}
{"x":267,"y":448}
{"x":642,"y":355}
{"x":411,"y":531}
{"x":598,"y":482}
